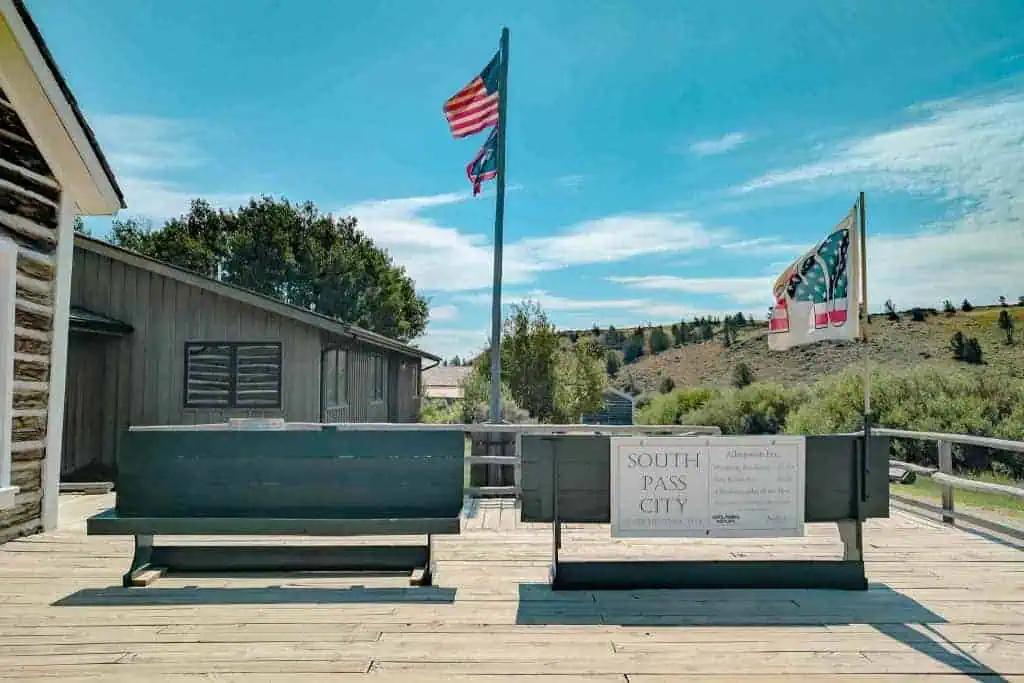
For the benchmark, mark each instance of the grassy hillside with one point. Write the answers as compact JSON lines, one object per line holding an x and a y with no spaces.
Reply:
{"x":898,"y":344}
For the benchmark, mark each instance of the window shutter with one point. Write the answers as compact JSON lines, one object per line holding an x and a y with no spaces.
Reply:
{"x":258,"y":375}
{"x":232,"y":375}
{"x":208,"y":375}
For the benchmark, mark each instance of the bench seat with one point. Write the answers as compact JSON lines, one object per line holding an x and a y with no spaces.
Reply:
{"x":567,"y":480}
{"x":184,"y":482}
{"x":110,"y":523}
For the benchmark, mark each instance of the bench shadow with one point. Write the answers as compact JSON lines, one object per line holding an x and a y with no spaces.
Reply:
{"x":116,"y":596}
{"x":888,"y":611}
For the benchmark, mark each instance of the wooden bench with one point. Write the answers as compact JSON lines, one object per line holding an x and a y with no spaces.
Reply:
{"x":273,"y":483}
{"x":566,"y":479}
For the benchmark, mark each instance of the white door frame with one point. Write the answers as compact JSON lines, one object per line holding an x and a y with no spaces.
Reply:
{"x":58,"y":362}
{"x":8,"y":287}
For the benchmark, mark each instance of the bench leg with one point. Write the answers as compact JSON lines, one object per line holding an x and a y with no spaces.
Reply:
{"x":556,"y":545}
{"x":851,"y":531}
{"x":425,"y":575}
{"x":140,"y":560}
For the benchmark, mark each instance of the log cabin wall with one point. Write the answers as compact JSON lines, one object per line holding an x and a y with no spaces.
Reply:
{"x":30,"y":200}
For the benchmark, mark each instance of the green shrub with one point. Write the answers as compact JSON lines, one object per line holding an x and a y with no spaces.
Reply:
{"x":435,"y":411}
{"x":966,"y":306}
{"x":475,"y":406}
{"x":948,"y":307}
{"x":644,"y":400}
{"x":659,"y":340}
{"x":957,"y":343}
{"x":666,"y":385}
{"x":612,"y":363}
{"x":634,"y":349}
{"x":917,"y":314}
{"x":890,"y":311}
{"x":954,"y":401}
{"x":612,"y":337}
{"x":972,"y":351}
{"x":742,"y":375}
{"x":760,"y":408}
{"x":668,"y":409}
{"x":681,"y":333}
{"x":1006,"y":324}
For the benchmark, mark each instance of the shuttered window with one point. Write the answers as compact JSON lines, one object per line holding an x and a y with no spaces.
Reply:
{"x":377,"y":377}
{"x":335,"y":378}
{"x":232,"y":375}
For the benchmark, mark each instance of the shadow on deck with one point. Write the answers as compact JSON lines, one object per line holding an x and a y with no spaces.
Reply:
{"x":888,"y":611}
{"x":116,"y":596}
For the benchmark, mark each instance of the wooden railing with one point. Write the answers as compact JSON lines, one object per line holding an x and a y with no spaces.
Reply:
{"x":950,"y":482}
{"x":494,"y":463}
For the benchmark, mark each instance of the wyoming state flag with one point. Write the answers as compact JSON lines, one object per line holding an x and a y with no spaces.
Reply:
{"x":817,"y":296}
{"x":485,"y":164}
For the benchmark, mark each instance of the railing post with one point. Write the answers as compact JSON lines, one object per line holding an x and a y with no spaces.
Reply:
{"x":946,"y":467}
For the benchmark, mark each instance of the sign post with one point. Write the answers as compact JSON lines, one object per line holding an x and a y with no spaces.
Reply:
{"x":726,"y":487}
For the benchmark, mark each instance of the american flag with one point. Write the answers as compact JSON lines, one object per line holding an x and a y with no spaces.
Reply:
{"x":820,"y":277}
{"x":475,"y":107}
{"x":485,"y":165}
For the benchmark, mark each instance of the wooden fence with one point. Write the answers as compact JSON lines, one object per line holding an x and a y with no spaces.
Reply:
{"x":950,"y":482}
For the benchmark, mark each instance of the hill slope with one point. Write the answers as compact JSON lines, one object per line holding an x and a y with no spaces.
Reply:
{"x":896,"y":344}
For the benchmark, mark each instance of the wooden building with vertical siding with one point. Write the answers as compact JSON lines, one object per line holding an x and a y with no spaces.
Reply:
{"x":51,"y":169}
{"x":619,"y":408}
{"x":154,"y":344}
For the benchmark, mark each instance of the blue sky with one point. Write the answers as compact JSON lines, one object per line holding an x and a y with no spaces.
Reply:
{"x":665,"y":159}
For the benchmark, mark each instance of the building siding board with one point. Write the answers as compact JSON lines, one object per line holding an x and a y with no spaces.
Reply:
{"x":32,"y":225}
{"x":146,"y":368}
{"x":617,"y":410}
{"x":165,"y":313}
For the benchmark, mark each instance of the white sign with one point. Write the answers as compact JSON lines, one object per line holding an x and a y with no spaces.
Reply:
{"x":721,"y":486}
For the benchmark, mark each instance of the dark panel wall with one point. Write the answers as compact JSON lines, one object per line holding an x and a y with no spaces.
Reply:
{"x":585,"y":479}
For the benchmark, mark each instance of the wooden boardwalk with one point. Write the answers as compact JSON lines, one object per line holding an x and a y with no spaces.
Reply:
{"x":944,"y":604}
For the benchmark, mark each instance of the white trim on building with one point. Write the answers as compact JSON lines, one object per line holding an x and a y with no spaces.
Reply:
{"x":8,"y":284}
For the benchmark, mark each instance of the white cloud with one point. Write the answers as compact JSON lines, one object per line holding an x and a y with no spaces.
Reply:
{"x":742,"y":290}
{"x":444,"y":313}
{"x":144,"y":150}
{"x":766,"y":245}
{"x":567,"y":311}
{"x":967,"y":153}
{"x":570,"y":181}
{"x":161,"y":200}
{"x":147,"y":143}
{"x":726,"y":143}
{"x":442,"y":258}
{"x":437,"y":257}
{"x":616,"y":238}
{"x":451,"y":341}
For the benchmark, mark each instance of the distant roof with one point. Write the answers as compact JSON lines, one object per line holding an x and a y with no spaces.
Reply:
{"x":446,"y":376}
{"x":449,"y":393}
{"x":51,"y":63}
{"x":247,"y":296}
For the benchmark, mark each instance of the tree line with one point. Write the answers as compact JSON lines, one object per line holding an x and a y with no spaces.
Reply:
{"x":291,"y":252}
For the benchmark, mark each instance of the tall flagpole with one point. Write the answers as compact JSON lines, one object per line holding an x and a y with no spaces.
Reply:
{"x":865,"y":317}
{"x":865,"y":463}
{"x":499,"y":221}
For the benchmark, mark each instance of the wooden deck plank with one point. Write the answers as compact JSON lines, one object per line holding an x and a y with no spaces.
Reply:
{"x":943,"y":603}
